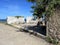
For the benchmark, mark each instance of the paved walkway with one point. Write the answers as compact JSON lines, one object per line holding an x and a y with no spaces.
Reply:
{"x":10,"y":36}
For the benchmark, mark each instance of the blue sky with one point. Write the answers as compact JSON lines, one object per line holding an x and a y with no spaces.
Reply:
{"x":14,"y":8}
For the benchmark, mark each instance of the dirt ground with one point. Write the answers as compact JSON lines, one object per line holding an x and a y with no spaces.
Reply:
{"x":11,"y":36}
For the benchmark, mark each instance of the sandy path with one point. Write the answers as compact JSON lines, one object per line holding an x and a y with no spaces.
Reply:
{"x":10,"y":36}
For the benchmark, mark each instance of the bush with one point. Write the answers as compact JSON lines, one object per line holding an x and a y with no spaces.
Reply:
{"x":49,"y":39}
{"x":53,"y":41}
{"x":21,"y":29}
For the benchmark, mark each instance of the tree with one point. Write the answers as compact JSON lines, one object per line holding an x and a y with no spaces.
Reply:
{"x":50,"y":8}
{"x":46,"y":7}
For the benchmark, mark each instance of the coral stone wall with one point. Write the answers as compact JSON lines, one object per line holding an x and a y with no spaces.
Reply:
{"x":53,"y":26}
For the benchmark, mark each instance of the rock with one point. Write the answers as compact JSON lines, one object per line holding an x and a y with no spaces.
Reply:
{"x":51,"y":31}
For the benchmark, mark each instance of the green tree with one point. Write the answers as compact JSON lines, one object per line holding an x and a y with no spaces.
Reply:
{"x":49,"y":8}
{"x":46,"y":7}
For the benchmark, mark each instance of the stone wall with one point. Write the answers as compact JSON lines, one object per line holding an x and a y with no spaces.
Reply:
{"x":53,"y":26}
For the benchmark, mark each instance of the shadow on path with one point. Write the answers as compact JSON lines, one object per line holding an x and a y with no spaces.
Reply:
{"x":38,"y":29}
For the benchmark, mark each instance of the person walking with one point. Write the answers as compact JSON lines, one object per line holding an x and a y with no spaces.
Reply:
{"x":25,"y":20}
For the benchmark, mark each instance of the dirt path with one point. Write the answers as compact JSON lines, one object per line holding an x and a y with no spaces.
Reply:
{"x":10,"y":36}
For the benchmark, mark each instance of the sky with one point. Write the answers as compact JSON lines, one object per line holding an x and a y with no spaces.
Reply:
{"x":14,"y":8}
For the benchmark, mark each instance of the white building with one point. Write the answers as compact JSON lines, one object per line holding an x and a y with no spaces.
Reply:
{"x":31,"y":19}
{"x":14,"y":19}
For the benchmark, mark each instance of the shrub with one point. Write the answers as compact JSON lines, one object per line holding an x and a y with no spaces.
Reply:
{"x":49,"y":39}
{"x":53,"y":41}
{"x":21,"y":29}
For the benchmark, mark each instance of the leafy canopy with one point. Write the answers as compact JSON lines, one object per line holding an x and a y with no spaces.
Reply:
{"x":46,"y":7}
